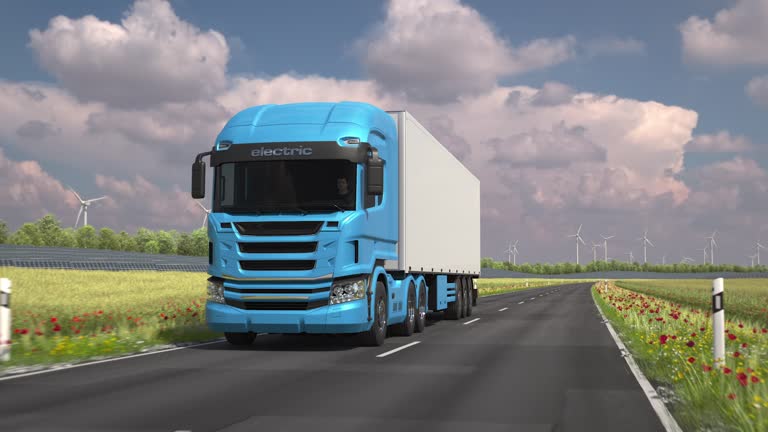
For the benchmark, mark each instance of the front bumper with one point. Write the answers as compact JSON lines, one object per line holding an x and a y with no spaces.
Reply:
{"x":349,"y":317}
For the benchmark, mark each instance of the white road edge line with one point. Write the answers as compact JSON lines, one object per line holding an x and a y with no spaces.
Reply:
{"x":54,"y":369}
{"x":398,"y":349}
{"x":666,"y":418}
{"x":503,"y":309}
{"x":533,"y":298}
{"x":521,"y":302}
{"x":470,"y":322}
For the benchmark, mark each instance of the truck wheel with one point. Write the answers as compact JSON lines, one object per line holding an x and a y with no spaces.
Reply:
{"x":454,"y":308}
{"x":468,"y":286}
{"x":421,"y":312}
{"x":378,"y":332}
{"x":240,"y":339}
{"x":407,"y":327}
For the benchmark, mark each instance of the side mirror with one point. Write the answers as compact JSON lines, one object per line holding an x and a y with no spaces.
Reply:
{"x":375,"y":174}
{"x":198,"y":179}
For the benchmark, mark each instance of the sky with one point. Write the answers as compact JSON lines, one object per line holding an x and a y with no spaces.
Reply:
{"x":617,"y":116}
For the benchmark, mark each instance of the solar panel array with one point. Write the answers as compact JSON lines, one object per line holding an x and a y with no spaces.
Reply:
{"x":96,"y":259}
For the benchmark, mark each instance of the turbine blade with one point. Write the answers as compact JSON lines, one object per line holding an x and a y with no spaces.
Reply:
{"x":78,"y":216}
{"x":582,"y":241}
{"x":649,"y":242}
{"x":78,"y":196}
{"x":95,"y":199}
{"x":578,"y":230}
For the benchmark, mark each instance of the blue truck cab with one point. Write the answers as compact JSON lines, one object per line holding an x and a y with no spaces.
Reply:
{"x":304,"y":216}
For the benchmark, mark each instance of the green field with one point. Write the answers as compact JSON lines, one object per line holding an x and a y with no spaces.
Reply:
{"x":743,"y":298}
{"x":671,"y":341}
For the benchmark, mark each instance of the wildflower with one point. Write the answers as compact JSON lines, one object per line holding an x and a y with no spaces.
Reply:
{"x":731,"y":396}
{"x":727,"y":371}
{"x":742,"y":379}
{"x":731,"y":336}
{"x":741,"y":325}
{"x":744,"y":345}
{"x":691,"y":344}
{"x":755,"y":379}
{"x":54,"y":319}
{"x":765,"y":330}
{"x":674,"y":337}
{"x":38,"y":332}
{"x":706,"y":368}
{"x":736,"y":354}
{"x":57,"y":328}
{"x":701,"y":328}
{"x":693,"y":334}
{"x":691,"y":360}
{"x":663,"y":339}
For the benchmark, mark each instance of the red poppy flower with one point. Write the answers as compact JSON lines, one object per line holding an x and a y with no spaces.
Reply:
{"x":736,"y":354}
{"x":691,"y":360}
{"x":691,"y":344}
{"x":38,"y":332}
{"x":706,"y":368}
{"x":99,"y":312}
{"x":659,"y":319}
{"x":742,"y":377}
{"x":765,"y":330}
{"x":755,"y":379}
{"x":731,"y":336}
{"x":693,"y":334}
{"x":663,"y":339}
{"x":57,"y":328}
{"x":674,"y":337}
{"x":701,"y":329}
{"x":744,"y":345}
{"x":741,"y":325}
{"x":750,"y":370}
{"x":727,"y":370}
{"x":731,"y":396}
{"x":54,"y":319}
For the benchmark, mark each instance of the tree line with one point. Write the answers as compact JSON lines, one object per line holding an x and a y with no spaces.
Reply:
{"x":47,"y":231}
{"x":613,"y":265}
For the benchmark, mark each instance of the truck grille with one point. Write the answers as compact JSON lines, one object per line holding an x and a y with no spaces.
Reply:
{"x":293,"y":247}
{"x":274,"y":265}
{"x":277,"y":305}
{"x":278,"y":228}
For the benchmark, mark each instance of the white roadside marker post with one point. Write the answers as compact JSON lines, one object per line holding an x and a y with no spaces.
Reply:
{"x":718,"y":322}
{"x":5,"y":319}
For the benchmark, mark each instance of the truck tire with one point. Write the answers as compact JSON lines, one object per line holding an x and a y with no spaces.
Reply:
{"x":463,"y":305}
{"x":468,"y":286}
{"x":240,"y":339}
{"x":453,"y":312}
{"x":378,"y":332}
{"x":407,"y":327}
{"x":421,"y":312}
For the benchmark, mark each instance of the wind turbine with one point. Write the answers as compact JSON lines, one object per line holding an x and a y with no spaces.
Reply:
{"x":605,"y":245}
{"x":509,"y":251}
{"x":84,"y":207}
{"x":578,"y":239}
{"x":207,"y":212}
{"x":664,"y":259}
{"x":705,"y":254}
{"x":752,"y":257}
{"x":646,"y":242}
{"x":631,"y":257}
{"x":712,"y":246}
{"x":514,"y":253}
{"x":759,"y":246}
{"x":594,"y":250}
{"x":687,"y":259}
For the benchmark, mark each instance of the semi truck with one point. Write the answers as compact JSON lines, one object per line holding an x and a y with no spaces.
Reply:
{"x":336,"y":218}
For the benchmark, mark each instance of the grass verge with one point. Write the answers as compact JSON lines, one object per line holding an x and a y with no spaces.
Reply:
{"x":672,"y":345}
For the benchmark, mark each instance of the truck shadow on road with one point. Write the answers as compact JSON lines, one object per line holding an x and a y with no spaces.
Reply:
{"x":305,"y":342}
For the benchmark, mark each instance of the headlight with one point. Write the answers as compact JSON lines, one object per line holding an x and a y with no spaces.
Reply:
{"x":215,"y":291}
{"x":348,"y":290}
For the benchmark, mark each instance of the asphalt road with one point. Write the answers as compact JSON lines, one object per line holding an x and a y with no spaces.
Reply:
{"x":545,"y":363}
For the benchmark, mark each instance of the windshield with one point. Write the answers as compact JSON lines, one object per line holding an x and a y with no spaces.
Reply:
{"x":285,"y":186}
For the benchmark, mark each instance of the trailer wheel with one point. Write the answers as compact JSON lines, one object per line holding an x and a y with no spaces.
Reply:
{"x":407,"y":327}
{"x":421,"y":316}
{"x":468,"y":290}
{"x":378,"y":332}
{"x":455,"y":308}
{"x":240,"y":339}
{"x":462,"y":305}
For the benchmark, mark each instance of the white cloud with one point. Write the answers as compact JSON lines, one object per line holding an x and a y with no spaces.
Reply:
{"x":722,"y":141}
{"x":553,"y":93}
{"x":150,"y":58}
{"x":757,"y":89}
{"x":736,"y":36}
{"x":423,"y":49}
